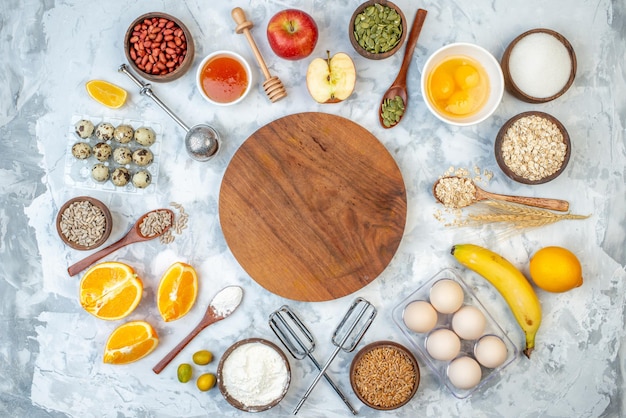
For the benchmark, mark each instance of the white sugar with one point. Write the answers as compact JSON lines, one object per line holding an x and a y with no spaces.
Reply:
{"x":540,"y":65}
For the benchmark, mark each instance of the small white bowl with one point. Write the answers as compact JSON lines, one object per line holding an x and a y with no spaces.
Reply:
{"x":491,"y":67}
{"x":230,"y":54}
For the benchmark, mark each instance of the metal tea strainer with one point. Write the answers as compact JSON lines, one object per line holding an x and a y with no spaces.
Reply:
{"x":299,"y":341}
{"x":346,"y":337}
{"x":202,"y":141}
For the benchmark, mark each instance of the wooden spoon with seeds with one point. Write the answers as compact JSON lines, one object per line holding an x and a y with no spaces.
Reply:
{"x":451,"y":191}
{"x":132,"y":236}
{"x":398,"y":87}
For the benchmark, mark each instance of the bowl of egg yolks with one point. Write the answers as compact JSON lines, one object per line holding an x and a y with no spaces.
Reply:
{"x":462,"y":84}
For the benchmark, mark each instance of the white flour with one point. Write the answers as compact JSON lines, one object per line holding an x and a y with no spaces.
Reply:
{"x":255,"y":374}
{"x":227,"y":300}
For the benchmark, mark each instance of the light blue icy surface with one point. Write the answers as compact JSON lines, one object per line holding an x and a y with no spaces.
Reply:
{"x":51,"y":349}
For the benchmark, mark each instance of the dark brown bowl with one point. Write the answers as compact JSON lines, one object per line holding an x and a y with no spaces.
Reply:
{"x":500,"y":159}
{"x":220,"y":378}
{"x":355,"y":44}
{"x":384,"y":344}
{"x":179,"y":69}
{"x":519,"y":93}
{"x":108,"y":223}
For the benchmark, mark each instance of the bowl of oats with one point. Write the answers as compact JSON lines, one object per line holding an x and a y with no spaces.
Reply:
{"x":532,"y":148}
{"x":84,"y":223}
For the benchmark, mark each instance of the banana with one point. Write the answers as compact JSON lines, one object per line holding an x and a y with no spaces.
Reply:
{"x":510,"y":282}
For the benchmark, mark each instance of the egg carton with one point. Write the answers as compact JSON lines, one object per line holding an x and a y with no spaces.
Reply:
{"x":77,"y":173}
{"x":418,"y":340}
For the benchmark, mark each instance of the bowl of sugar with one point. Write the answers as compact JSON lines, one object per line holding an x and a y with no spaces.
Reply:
{"x":539,"y":66}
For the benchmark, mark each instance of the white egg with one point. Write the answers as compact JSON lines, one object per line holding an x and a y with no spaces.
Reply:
{"x":446,"y":296}
{"x":420,"y":316}
{"x":490,"y":351}
{"x":464,"y":372}
{"x":469,"y":322}
{"x":443,"y":344}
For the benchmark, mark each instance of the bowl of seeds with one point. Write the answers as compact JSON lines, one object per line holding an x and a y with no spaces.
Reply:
{"x":377,"y":29}
{"x":84,"y":223}
{"x":384,"y":375}
{"x":532,"y":148}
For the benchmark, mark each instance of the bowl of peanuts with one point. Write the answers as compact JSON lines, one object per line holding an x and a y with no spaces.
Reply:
{"x":159,"y":47}
{"x":84,"y":223}
{"x":532,"y":148}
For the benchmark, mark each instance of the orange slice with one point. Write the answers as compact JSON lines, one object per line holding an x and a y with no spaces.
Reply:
{"x":106,"y":93}
{"x":177,"y":291}
{"x":110,"y":290}
{"x":130,"y":342}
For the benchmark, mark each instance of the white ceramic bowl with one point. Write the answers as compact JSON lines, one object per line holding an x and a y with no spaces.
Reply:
{"x":230,"y":54}
{"x":491,"y":67}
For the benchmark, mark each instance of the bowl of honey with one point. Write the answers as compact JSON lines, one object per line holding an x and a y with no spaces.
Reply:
{"x":462,"y":84}
{"x":224,"y":78}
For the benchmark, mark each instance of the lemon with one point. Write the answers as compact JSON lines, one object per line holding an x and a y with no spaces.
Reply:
{"x":106,"y":93}
{"x":206,"y":382}
{"x":556,"y":269}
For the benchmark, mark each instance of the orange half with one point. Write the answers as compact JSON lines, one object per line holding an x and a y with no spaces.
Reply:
{"x":177,"y":291}
{"x":130,"y":342}
{"x":110,"y":290}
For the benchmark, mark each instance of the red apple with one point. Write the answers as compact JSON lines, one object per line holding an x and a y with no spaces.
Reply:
{"x":292,"y":34}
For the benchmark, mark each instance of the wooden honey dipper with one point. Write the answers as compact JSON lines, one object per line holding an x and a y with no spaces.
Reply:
{"x":273,"y":86}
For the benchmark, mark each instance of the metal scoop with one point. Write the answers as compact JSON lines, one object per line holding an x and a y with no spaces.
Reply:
{"x":346,"y":337}
{"x":202,"y":141}
{"x":299,"y":341}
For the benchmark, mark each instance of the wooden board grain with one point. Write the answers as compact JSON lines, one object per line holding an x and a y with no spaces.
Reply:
{"x":313,"y":206}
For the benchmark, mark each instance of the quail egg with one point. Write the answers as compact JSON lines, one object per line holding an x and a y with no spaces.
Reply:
{"x":122,"y":155}
{"x":81,"y":150}
{"x":104,"y":131}
{"x":142,"y":179}
{"x":84,"y":128}
{"x":142,"y":157}
{"x":100,"y":172}
{"x":123,"y":134}
{"x":102,"y":151}
{"x":145,"y":136}
{"x":120,"y":176}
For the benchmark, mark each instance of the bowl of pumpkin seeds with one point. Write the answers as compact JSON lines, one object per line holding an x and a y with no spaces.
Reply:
{"x":377,"y":29}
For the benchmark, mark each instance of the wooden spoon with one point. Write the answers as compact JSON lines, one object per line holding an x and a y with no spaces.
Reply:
{"x":211,"y":316}
{"x":398,"y":87}
{"x":538,"y":202}
{"x":132,"y":236}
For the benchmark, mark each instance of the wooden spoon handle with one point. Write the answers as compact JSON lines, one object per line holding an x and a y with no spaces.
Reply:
{"x":537,"y":202}
{"x":81,"y":265}
{"x":411,"y":42}
{"x":243,"y":26}
{"x":172,"y":354}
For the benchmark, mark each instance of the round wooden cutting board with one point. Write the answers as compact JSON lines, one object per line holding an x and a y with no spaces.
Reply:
{"x":313,"y":207}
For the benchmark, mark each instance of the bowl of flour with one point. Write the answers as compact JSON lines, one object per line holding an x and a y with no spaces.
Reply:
{"x":253,"y":375}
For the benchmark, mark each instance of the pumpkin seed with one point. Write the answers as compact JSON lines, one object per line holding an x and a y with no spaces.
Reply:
{"x":378,"y":29}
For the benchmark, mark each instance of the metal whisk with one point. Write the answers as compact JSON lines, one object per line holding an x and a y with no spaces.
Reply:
{"x":346,"y":337}
{"x":299,"y":341}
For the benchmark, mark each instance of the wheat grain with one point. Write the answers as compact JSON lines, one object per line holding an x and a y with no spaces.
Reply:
{"x":517,"y":216}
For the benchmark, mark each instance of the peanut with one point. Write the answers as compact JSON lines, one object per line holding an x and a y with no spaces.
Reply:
{"x":157,"y":45}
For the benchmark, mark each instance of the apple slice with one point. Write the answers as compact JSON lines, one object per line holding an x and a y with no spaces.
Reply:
{"x":331,"y":80}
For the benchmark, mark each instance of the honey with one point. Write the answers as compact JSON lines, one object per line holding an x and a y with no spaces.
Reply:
{"x":224,"y":79}
{"x":458,"y":87}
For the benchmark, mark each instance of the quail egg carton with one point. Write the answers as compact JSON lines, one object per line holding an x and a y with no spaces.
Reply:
{"x":78,"y":172}
{"x":418,"y":340}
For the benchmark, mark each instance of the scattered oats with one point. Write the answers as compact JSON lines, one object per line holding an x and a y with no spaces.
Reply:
{"x":180,"y":223}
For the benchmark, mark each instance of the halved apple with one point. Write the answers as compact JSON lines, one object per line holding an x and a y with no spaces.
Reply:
{"x":331,"y":80}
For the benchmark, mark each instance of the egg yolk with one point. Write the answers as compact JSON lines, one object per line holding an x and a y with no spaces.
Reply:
{"x":442,"y":85}
{"x":466,"y":76}
{"x":458,"y":87}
